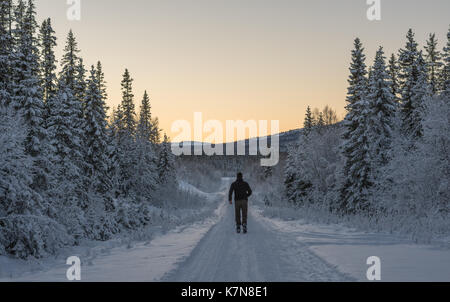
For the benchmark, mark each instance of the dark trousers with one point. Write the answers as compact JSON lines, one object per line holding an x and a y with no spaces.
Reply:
{"x":241,"y":205}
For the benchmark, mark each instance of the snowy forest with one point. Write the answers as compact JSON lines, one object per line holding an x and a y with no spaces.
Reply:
{"x":68,"y":172}
{"x":386,"y":165}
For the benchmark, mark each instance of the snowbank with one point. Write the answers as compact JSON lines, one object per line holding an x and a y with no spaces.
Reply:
{"x":348,"y":250}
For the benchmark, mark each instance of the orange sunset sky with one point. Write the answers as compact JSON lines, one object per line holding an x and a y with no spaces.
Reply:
{"x":229,"y":59}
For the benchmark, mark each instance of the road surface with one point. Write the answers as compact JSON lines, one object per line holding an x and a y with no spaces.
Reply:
{"x":260,"y":255}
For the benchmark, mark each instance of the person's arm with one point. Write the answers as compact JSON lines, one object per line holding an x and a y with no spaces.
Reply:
{"x":249,"y":190}
{"x":230,"y":194}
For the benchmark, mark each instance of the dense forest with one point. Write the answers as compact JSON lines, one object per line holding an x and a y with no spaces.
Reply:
{"x":68,"y":172}
{"x":387,"y":163}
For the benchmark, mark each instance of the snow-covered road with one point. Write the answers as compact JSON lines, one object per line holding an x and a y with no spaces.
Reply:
{"x":261,"y":255}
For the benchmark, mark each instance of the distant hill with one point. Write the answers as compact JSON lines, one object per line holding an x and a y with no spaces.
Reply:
{"x":285,"y":139}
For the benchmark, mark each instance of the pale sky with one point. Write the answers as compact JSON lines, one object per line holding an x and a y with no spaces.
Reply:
{"x":238,"y":59}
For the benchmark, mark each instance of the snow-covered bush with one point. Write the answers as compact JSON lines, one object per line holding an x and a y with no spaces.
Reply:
{"x":101,"y":223}
{"x":30,"y":235}
{"x":416,"y":183}
{"x":316,"y":159}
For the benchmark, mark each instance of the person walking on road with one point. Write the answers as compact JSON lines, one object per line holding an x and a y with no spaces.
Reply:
{"x":242,"y":192}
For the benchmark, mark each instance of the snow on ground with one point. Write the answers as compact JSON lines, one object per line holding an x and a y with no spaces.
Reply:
{"x":348,"y":250}
{"x":144,"y":261}
{"x":273,"y":250}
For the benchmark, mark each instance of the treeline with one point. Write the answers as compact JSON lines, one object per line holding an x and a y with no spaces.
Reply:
{"x":390,"y":156}
{"x":66,"y":172}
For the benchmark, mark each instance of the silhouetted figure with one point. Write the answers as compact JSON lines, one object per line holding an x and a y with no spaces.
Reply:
{"x":242,"y":192}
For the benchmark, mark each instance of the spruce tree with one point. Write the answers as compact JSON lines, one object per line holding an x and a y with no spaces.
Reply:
{"x":29,"y":96}
{"x":145,"y":119}
{"x":155,"y":136}
{"x":146,"y":176}
{"x":69,"y":62}
{"x":117,"y":126}
{"x":129,"y":151}
{"x":445,"y":73}
{"x":80,"y":82}
{"x":357,"y":87}
{"x":96,"y":136}
{"x":418,"y":90}
{"x":48,"y":78}
{"x":434,"y":64}
{"x":393,"y":72}
{"x":355,"y":193}
{"x":127,"y":106}
{"x":407,"y":56}
{"x":6,"y":49}
{"x":16,"y":56}
{"x":26,"y":85}
{"x":413,"y":111}
{"x":356,"y":170}
{"x":382,"y":111}
{"x":166,"y":163}
{"x":48,"y":60}
{"x":65,"y":125}
{"x":356,"y":91}
{"x":309,"y":121}
{"x":71,"y":83}
{"x":31,"y":29}
{"x":101,"y":81}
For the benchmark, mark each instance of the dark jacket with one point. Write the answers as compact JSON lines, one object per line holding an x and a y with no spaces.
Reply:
{"x":241,"y":190}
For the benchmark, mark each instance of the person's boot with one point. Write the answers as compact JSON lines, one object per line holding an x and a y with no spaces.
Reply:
{"x":245,"y":228}
{"x":238,"y":229}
